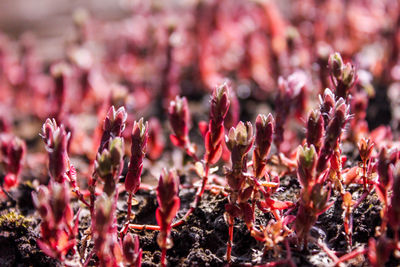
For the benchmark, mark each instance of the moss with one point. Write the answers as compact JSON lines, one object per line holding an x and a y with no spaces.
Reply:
{"x":13,"y":220}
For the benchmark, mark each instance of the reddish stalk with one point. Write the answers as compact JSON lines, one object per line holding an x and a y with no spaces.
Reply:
{"x":230,"y":241}
{"x":164,"y":254}
{"x":128,"y":216}
{"x":351,"y":255}
{"x":80,"y":197}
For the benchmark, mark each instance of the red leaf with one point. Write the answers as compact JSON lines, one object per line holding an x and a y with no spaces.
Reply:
{"x":232,"y":210}
{"x":216,"y":155}
{"x":45,"y":248}
{"x":203,"y":127}
{"x":278,"y":205}
{"x":248,"y":214}
{"x":176,"y":141}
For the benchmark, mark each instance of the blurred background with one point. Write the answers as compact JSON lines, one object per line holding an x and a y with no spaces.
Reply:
{"x":51,"y":21}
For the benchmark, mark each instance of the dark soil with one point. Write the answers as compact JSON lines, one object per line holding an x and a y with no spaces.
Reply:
{"x":202,"y":240}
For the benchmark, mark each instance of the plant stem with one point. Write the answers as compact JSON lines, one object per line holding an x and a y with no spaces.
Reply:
{"x":164,"y":253}
{"x":128,"y":216}
{"x":230,"y":241}
{"x":92,"y":189}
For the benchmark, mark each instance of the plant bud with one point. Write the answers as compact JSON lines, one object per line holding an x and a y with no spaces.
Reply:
{"x":315,"y":129}
{"x":219,"y":103}
{"x":336,"y":64}
{"x":263,"y":141}
{"x":56,"y":140}
{"x":139,"y":140}
{"x":241,"y":136}
{"x":349,"y":74}
{"x":179,"y":117}
{"x":113,"y":126}
{"x":365,"y":147}
{"x":306,"y":163}
{"x":131,"y":250}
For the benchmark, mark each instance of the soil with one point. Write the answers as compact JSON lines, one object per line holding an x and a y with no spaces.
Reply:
{"x":202,"y":240}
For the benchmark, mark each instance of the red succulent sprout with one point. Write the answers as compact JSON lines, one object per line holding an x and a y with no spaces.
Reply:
{"x":343,"y":76}
{"x":239,"y":141}
{"x":56,"y":140}
{"x":365,"y":148}
{"x":156,"y":142}
{"x":263,"y":142}
{"x":333,"y":134}
{"x":132,"y":251}
{"x":12,"y":153}
{"x":231,"y":119}
{"x":104,"y":231}
{"x":327,"y":105}
{"x":179,"y":119}
{"x":315,"y":129}
{"x":306,"y":163}
{"x":169,"y":203}
{"x":314,"y":194}
{"x":215,"y":135}
{"x":289,"y":99}
{"x":113,"y":126}
{"x":138,"y":148}
{"x":60,"y":73}
{"x":60,"y":168}
{"x":58,"y":229}
{"x":109,"y":164}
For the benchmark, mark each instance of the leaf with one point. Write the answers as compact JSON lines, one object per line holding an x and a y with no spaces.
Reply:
{"x":278,"y":205}
{"x":176,"y":141}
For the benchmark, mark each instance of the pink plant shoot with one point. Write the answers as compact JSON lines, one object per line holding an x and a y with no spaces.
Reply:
{"x":314,"y":193}
{"x":106,"y":246}
{"x":109,"y":164}
{"x":289,"y":99}
{"x":333,"y":134}
{"x":215,"y":135}
{"x":239,"y":141}
{"x":343,"y":75}
{"x":113,"y":126}
{"x":156,"y":141}
{"x":327,"y":104}
{"x":132,"y":180}
{"x":179,"y":119}
{"x":132,"y":251}
{"x":12,"y":152}
{"x":169,"y":203}
{"x":56,"y":139}
{"x":139,"y":141}
{"x":263,"y":141}
{"x":58,"y":231}
{"x":315,"y":129}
